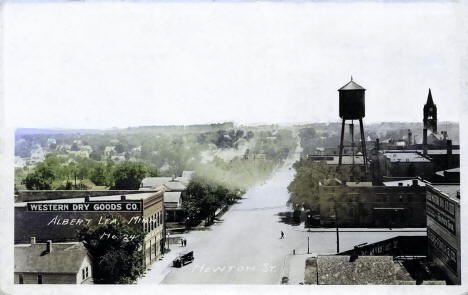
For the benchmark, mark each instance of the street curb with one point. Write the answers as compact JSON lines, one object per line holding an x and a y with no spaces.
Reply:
{"x":285,"y":270}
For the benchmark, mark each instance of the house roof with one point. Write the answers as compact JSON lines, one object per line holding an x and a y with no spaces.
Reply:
{"x":154,"y":181}
{"x":351,"y":85}
{"x":175,"y":186}
{"x":187,"y":174}
{"x":374,"y":270}
{"x":183,"y":180}
{"x":172,"y":197}
{"x":64,"y":258}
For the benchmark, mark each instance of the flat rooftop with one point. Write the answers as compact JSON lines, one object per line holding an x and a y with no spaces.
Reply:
{"x":405,"y":156}
{"x":130,"y":197}
{"x":333,"y":159}
{"x":404,"y":182}
{"x":451,"y":190}
{"x":429,"y":152}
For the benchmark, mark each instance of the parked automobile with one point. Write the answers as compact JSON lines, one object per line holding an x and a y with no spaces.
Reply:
{"x":183,"y":258}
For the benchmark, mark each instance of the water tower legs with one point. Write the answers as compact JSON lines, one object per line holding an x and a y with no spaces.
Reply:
{"x":341,"y":143}
{"x":363,"y":144}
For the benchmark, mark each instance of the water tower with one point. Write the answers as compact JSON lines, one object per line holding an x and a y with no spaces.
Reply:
{"x":352,"y":107}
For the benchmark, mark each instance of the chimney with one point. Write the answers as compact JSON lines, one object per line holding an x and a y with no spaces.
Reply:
{"x":354,"y":254}
{"x":33,"y":240}
{"x":449,"y":153}
{"x":123,"y":198}
{"x":410,"y":136}
{"x":86,"y":198}
{"x":425,"y":141}
{"x":49,"y":246}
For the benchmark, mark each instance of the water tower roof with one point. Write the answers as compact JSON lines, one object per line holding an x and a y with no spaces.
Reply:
{"x":352,"y":86}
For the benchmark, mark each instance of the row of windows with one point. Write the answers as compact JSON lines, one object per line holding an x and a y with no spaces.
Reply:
{"x":442,"y":220}
{"x":442,"y":203}
{"x":84,"y":273}
{"x":447,"y":251}
{"x":21,"y":279}
{"x":153,"y":221}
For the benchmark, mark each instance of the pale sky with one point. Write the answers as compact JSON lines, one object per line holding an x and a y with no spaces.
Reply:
{"x":100,"y":65}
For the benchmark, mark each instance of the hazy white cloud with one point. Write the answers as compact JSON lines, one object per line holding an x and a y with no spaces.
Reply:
{"x":95,"y":65}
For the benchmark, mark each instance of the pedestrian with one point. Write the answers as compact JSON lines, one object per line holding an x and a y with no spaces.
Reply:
{"x":181,"y":242}
{"x":282,"y":235}
{"x":185,"y":242}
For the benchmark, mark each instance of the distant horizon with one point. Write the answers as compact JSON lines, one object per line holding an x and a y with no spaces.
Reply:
{"x":236,"y":124}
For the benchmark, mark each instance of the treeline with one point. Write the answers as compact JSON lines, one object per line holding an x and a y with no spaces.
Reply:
{"x":304,"y":189}
{"x":56,"y":173}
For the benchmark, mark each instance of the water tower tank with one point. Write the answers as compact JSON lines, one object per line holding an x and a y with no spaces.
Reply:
{"x":352,"y":101}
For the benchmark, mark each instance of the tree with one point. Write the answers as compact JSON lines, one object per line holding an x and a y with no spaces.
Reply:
{"x":98,"y":175}
{"x":41,"y":178}
{"x":74,"y":147}
{"x":119,"y":148}
{"x":128,"y":175}
{"x":304,"y":188}
{"x":117,"y":251}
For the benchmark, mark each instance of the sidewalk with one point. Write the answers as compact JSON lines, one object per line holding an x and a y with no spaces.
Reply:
{"x":294,"y":268}
{"x":161,"y":268}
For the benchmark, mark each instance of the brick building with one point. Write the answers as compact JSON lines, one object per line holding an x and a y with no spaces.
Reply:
{"x":146,"y":213}
{"x":360,"y":204}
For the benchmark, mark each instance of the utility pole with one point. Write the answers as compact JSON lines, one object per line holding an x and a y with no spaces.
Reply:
{"x":337,"y":232}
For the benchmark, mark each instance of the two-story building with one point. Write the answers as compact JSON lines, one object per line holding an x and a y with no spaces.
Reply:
{"x":52,"y":263}
{"x":61,"y":219}
{"x":361,"y":204}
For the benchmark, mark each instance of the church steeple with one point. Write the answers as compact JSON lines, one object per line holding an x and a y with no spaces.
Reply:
{"x":429,"y":98}
{"x":430,"y":114}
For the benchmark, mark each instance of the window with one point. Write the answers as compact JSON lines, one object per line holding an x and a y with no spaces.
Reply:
{"x":82,"y":274}
{"x":21,"y":279}
{"x":87,"y":274}
{"x":451,"y":208}
{"x":39,"y":279}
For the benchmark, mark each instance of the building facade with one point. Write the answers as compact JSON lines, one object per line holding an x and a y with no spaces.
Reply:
{"x":443,"y":229}
{"x":364,"y":205}
{"x":58,"y":220}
